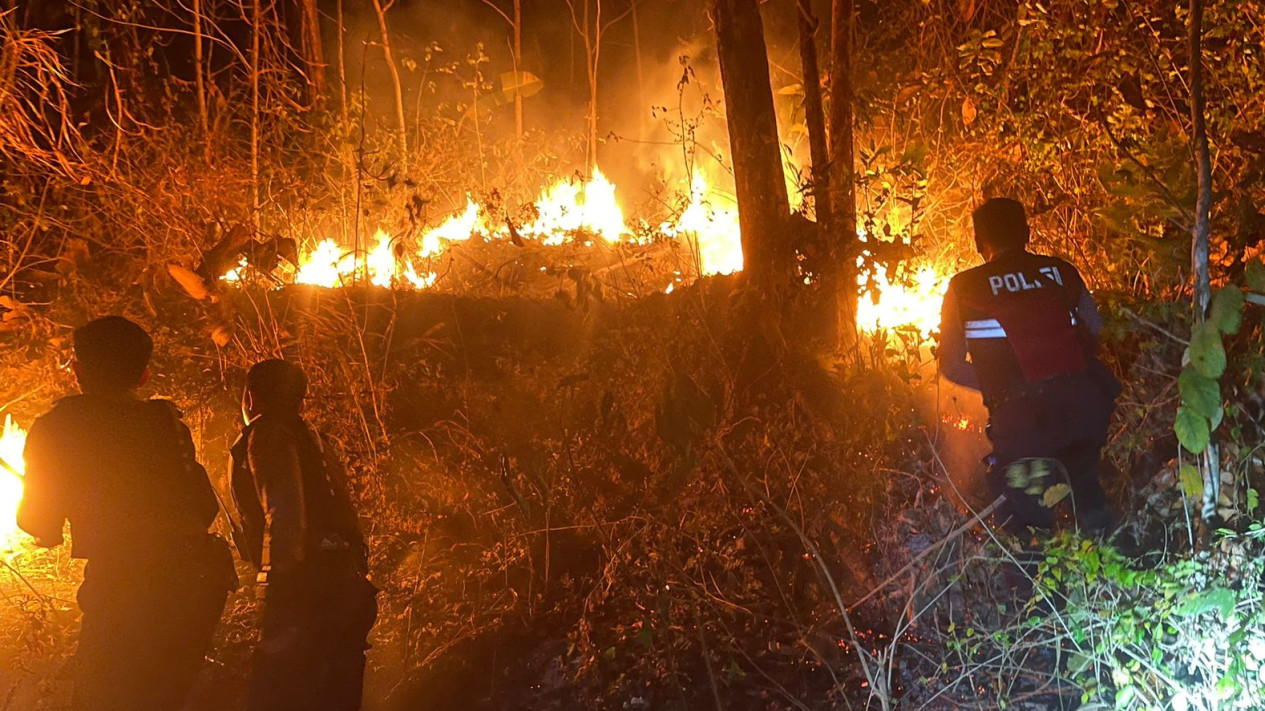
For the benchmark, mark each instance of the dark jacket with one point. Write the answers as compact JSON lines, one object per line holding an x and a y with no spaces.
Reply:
{"x":1023,"y":319}
{"x":122,"y":471}
{"x":291,"y":499}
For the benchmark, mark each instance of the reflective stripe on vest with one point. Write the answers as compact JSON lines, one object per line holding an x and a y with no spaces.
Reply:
{"x":992,"y":328}
{"x":985,"y":328}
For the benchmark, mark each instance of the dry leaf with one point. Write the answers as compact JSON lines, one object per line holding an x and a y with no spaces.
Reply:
{"x":968,"y":111}
{"x":221,"y":336}
{"x":190,"y":282}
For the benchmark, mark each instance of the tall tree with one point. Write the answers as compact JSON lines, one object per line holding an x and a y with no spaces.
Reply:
{"x":311,"y":50}
{"x":763,"y":207}
{"x":842,"y":180}
{"x":1201,"y":229}
{"x":822,"y":254}
{"x":591,"y":21}
{"x":401,"y":127}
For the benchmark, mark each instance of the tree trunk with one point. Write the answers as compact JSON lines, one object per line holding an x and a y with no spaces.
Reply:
{"x":401,"y":127}
{"x":313,"y":52}
{"x":342,"y":65}
{"x":822,"y":259}
{"x":518,"y":69}
{"x":256,"y":17}
{"x":842,"y":180}
{"x":199,"y":72}
{"x":763,"y":208}
{"x":1211,"y":468}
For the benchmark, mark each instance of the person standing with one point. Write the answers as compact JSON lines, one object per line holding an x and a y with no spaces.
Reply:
{"x":297,"y":524}
{"x":122,"y":471}
{"x":1023,"y":329}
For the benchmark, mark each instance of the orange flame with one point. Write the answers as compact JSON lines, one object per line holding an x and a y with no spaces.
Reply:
{"x":570,"y":209}
{"x":12,"y":442}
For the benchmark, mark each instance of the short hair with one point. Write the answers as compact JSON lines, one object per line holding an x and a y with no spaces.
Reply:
{"x":1000,"y":223}
{"x":276,"y":385}
{"x":112,"y":352}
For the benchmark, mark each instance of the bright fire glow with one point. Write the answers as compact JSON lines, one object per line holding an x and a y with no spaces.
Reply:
{"x":457,"y":228}
{"x":12,"y":442}
{"x":572,"y":209}
{"x":915,"y":303}
{"x":569,"y":206}
{"x":711,"y":228}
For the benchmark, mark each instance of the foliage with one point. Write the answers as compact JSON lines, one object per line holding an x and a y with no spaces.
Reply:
{"x":1178,"y":632}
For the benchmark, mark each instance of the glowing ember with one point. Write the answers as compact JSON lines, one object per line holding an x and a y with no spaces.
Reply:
{"x":915,"y":303}
{"x":12,"y":441}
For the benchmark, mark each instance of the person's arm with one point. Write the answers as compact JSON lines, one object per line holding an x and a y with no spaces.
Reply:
{"x":41,"y":512}
{"x":953,"y":352}
{"x":274,"y":458}
{"x":1087,"y":312}
{"x":204,"y":503}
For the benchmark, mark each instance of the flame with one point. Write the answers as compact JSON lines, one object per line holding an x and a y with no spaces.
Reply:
{"x":569,"y":206}
{"x":571,"y":209}
{"x":12,"y":442}
{"x":712,"y":229}
{"x":914,"y":303}
{"x":457,"y":228}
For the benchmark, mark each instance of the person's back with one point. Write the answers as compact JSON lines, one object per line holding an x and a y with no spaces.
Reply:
{"x":1022,"y":328}
{"x":121,"y":470}
{"x":123,"y":486}
{"x":298,"y":526}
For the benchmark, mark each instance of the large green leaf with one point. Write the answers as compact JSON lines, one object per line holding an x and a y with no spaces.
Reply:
{"x":1192,"y":430}
{"x":1191,"y":480}
{"x":1207,"y":354}
{"x":1200,"y":394}
{"x":1255,"y":276}
{"x":1227,"y":309}
{"x":1222,"y":600}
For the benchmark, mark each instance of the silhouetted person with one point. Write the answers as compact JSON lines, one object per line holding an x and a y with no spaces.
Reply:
{"x":299,"y":527}
{"x":122,"y":470}
{"x":1031,"y":330}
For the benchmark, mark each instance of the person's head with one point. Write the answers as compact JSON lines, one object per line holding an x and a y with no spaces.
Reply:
{"x":275,"y":387}
{"x":111,"y":354}
{"x":1000,"y":226}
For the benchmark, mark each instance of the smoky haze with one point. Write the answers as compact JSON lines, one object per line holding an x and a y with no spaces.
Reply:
{"x":660,"y":100}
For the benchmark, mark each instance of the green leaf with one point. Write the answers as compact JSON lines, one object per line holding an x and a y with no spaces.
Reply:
{"x":1227,"y":310}
{"x":1192,"y":481}
{"x":1255,"y":276}
{"x":1219,"y":599}
{"x":1253,"y":500}
{"x":1200,"y":394}
{"x":1207,"y":354}
{"x":1055,"y":494}
{"x":1192,"y":430}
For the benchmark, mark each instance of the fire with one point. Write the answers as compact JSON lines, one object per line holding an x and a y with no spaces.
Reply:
{"x":330,"y":265}
{"x":914,"y":303}
{"x":569,"y":206}
{"x":457,"y":228}
{"x":572,"y":209}
{"x":12,"y":467}
{"x":711,"y":228}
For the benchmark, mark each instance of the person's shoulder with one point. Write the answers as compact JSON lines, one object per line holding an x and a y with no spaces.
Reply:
{"x":64,"y":412}
{"x":165,"y":406}
{"x":271,"y":432}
